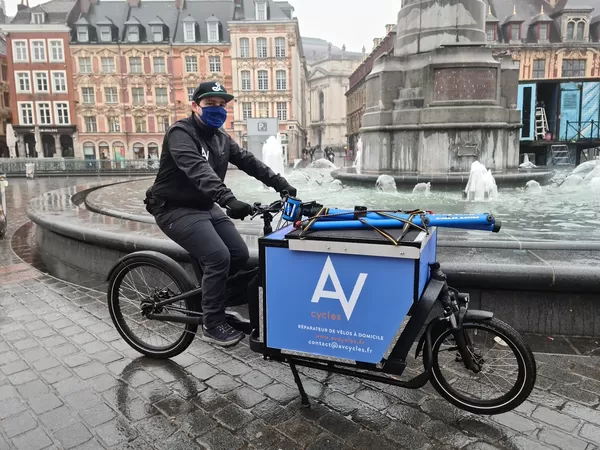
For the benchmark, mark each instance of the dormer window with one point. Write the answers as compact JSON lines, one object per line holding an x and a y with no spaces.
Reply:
{"x":543,"y":32}
{"x":515,"y":31}
{"x":157,"y":33}
{"x":189,"y":29}
{"x":105,"y":33}
{"x":261,"y":10}
{"x":37,"y":18}
{"x":490,"y":31}
{"x":576,"y":29}
{"x":133,"y":33}
{"x":83,"y":34}
{"x":212,"y":25}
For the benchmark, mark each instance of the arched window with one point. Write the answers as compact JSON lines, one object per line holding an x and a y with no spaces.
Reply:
{"x":281,"y":80}
{"x":580,"y":30}
{"x":139,"y":151}
{"x":261,"y":47}
{"x":118,"y":150}
{"x":280,"y":49}
{"x":153,"y":150}
{"x":89,"y":150}
{"x":104,"y":150}
{"x":321,"y":106}
{"x":571,"y":31}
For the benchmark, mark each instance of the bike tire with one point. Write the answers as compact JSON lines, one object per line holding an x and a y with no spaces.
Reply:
{"x":174,"y":271}
{"x":525,"y":378}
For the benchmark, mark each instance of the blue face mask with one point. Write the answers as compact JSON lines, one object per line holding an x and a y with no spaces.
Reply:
{"x":214,"y":116}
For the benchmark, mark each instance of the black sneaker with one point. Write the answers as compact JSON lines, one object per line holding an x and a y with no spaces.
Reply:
{"x":223,"y":335}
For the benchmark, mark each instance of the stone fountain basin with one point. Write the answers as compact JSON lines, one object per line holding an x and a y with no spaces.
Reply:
{"x":507,"y":178}
{"x":548,"y":287}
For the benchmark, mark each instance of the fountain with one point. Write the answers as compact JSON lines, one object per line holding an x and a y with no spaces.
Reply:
{"x":272,"y":155}
{"x":481,"y":185}
{"x":527,"y":164}
{"x":386,"y":183}
{"x":422,"y":188}
{"x":357,"y":165}
{"x":533,"y":187}
{"x":440,"y":102}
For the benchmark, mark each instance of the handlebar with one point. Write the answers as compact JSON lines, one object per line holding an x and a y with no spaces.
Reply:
{"x":293,"y":210}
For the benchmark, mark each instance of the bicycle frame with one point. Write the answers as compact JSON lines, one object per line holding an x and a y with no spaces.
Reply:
{"x":267,"y":214}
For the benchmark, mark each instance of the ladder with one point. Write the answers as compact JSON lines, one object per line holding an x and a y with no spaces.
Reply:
{"x":560,"y":155}
{"x":541,"y":123}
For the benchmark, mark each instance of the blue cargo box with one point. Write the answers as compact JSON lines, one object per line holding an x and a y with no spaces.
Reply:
{"x":340,"y":295}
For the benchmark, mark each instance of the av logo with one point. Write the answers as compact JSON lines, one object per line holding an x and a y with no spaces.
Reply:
{"x":205,"y":154}
{"x":347,"y":304}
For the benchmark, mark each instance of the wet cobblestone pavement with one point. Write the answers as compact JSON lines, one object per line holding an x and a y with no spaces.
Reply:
{"x":67,"y":380}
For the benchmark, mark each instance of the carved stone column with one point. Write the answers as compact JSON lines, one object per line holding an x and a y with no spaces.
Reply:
{"x":57,"y":146}
{"x":22,"y":151}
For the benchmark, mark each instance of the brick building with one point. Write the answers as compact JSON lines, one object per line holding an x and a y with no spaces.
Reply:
{"x":136,"y":65}
{"x":5,"y":113}
{"x":356,"y":100}
{"x":41,"y":88}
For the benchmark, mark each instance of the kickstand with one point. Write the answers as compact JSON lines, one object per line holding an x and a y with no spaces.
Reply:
{"x":298,"y":381}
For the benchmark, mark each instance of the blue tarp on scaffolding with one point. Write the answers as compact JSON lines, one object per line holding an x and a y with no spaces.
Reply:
{"x":590,"y":111}
{"x":570,"y":103}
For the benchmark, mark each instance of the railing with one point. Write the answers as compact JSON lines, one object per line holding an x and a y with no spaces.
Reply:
{"x":67,"y":167}
{"x":576,"y":131}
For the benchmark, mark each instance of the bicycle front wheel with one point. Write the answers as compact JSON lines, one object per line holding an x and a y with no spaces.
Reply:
{"x":507,"y":368}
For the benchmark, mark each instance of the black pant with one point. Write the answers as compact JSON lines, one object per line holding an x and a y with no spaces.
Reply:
{"x":213,"y":240}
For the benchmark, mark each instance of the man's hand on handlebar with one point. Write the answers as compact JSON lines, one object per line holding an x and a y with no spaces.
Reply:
{"x":237,"y":209}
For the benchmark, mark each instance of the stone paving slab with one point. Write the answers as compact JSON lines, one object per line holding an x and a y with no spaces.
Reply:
{"x":68,"y":381}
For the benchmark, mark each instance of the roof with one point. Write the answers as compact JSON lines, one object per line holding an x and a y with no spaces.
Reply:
{"x":530,"y":13}
{"x":316,"y":49}
{"x":56,"y":10}
{"x":563,"y":5}
{"x":201,"y":11}
{"x":276,"y":10}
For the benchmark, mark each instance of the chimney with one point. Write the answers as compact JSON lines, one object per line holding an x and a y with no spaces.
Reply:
{"x":376,"y":42}
{"x":179,"y":4}
{"x":93,"y":2}
{"x":23,"y":5}
{"x":388,"y":28}
{"x":133,"y":3}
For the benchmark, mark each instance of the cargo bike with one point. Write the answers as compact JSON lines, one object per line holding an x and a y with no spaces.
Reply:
{"x":353,"y":292}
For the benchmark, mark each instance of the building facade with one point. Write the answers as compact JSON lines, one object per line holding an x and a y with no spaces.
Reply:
{"x":328,"y":83}
{"x":41,"y":87}
{"x":269,"y":71}
{"x":137,"y":64}
{"x":557,"y":44}
{"x":356,"y":99}
{"x":5,"y":112}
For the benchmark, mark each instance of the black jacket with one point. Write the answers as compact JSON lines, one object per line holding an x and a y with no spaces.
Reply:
{"x":194,"y":163}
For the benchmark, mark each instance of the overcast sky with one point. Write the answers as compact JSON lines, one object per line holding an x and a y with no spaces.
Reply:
{"x":351,"y":22}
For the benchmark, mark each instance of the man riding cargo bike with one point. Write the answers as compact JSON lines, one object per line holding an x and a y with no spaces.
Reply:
{"x":366,"y":292}
{"x":187,"y":193}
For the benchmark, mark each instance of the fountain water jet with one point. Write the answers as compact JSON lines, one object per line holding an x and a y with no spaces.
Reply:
{"x":481,"y":185}
{"x":386,"y":183}
{"x":533,"y":187}
{"x":273,"y":155}
{"x":422,"y":188}
{"x":358,"y":159}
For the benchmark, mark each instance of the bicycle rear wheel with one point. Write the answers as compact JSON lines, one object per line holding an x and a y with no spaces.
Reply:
{"x":135,"y":284}
{"x":507,"y":368}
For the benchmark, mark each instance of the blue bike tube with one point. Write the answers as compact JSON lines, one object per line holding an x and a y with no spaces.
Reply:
{"x":481,"y":222}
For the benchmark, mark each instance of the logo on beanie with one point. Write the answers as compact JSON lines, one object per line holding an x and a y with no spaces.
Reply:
{"x":217,"y":87}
